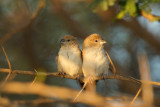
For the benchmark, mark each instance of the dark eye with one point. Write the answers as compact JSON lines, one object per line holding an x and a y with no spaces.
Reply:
{"x":96,"y":40}
{"x":68,"y":40}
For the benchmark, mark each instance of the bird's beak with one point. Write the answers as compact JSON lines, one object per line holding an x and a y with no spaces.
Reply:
{"x":62,"y":41}
{"x":103,"y":42}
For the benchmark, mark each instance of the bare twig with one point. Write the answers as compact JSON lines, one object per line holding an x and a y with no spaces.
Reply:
{"x":56,"y":74}
{"x":80,"y":91}
{"x":10,"y":69}
{"x":150,"y":82}
{"x":34,"y":77}
{"x":114,"y":69}
{"x":40,"y":6}
{"x":134,"y":99}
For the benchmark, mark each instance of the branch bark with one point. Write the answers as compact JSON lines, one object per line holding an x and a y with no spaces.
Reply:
{"x":56,"y":74}
{"x":56,"y":92}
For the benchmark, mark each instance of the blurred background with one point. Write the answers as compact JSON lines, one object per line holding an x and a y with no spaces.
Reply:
{"x":30,"y":31}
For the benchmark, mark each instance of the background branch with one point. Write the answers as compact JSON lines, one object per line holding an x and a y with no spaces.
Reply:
{"x":54,"y":92}
{"x":141,"y":32}
{"x":33,"y":17}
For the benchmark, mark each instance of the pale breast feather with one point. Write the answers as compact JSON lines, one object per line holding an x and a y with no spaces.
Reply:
{"x":70,"y":61}
{"x":95,"y":62}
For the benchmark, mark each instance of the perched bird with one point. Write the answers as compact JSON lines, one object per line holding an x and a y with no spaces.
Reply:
{"x":69,"y":59}
{"x":95,"y":60}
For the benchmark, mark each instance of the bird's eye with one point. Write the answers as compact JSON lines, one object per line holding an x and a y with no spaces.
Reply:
{"x":96,"y":40}
{"x":68,"y":40}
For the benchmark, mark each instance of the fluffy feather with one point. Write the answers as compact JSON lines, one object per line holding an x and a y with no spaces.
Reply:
{"x":95,"y":61}
{"x":69,"y":57}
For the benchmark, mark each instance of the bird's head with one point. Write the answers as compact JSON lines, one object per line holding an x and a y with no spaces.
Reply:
{"x":69,"y":40}
{"x":94,"y":40}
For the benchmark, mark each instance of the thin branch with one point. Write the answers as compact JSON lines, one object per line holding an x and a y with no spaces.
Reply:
{"x":134,"y":99}
{"x":9,"y":64}
{"x":41,"y":5}
{"x":56,"y":74}
{"x":35,"y":78}
{"x":33,"y":17}
{"x":10,"y":68}
{"x":114,"y":68}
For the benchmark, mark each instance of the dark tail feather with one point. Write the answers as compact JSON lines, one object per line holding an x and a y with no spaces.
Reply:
{"x":81,"y":83}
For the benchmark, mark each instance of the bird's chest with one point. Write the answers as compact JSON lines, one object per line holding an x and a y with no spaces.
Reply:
{"x":70,"y":61}
{"x":95,"y":62}
{"x":68,"y":55}
{"x":96,"y":58}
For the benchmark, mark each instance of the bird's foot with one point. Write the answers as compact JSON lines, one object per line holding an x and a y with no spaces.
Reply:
{"x":62,"y":74}
{"x":104,"y":77}
{"x":78,"y":77}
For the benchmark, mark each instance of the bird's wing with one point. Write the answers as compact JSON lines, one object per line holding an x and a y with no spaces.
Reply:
{"x":59,"y":67}
{"x":81,"y":56}
{"x":57,"y":60}
{"x":81,"y":72}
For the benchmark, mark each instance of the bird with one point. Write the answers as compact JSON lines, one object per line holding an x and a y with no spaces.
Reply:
{"x":69,"y":59}
{"x":95,"y":60}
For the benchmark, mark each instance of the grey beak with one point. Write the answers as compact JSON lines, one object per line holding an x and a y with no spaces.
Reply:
{"x":62,"y":41}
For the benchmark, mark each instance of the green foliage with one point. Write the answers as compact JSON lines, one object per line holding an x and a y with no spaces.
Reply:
{"x":104,"y":4}
{"x":144,"y":5}
{"x":39,"y":77}
{"x":129,"y":8}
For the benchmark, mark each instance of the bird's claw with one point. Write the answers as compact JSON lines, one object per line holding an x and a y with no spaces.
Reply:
{"x":78,"y":77}
{"x":62,"y":74}
{"x":104,"y":77}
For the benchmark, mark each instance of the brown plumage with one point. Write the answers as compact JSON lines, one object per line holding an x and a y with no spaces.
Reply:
{"x":95,"y":60}
{"x":69,"y":59}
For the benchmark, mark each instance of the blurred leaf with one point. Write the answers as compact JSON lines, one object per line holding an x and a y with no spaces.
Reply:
{"x":39,"y":77}
{"x":121,"y":14}
{"x":149,"y":16}
{"x":94,"y":4}
{"x":144,"y":5}
{"x":111,"y":2}
{"x":102,"y":3}
{"x":129,"y":8}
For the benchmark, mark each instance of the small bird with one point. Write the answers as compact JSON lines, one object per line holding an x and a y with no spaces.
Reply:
{"x":69,"y":59}
{"x":95,"y":60}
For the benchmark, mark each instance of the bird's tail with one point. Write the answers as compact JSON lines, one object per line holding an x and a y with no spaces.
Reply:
{"x":83,"y":85}
{"x":91,"y":80}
